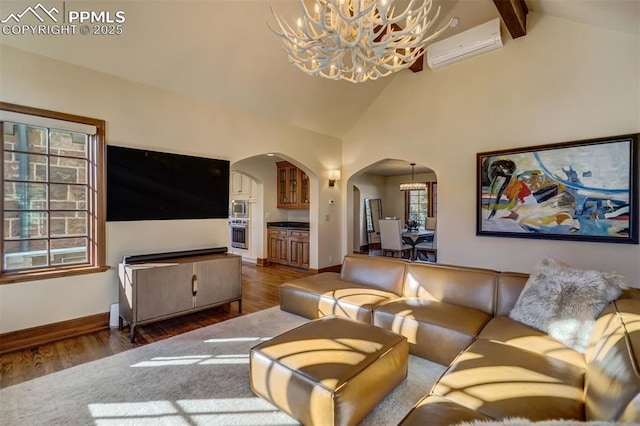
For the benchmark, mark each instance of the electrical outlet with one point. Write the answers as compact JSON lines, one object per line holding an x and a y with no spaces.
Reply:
{"x":327,"y":217}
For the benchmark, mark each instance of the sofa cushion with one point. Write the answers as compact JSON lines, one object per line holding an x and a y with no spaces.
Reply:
{"x":505,"y":330}
{"x":510,"y":285}
{"x":521,"y":421}
{"x":324,"y":294}
{"x":564,"y":302}
{"x":374,"y":272}
{"x":612,"y":378}
{"x":353,"y":303}
{"x":501,"y":380}
{"x":435,"y":330}
{"x":434,"y":410}
{"x":473,"y":288}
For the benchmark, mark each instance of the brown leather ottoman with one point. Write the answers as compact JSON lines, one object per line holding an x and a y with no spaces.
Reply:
{"x":330,"y":371}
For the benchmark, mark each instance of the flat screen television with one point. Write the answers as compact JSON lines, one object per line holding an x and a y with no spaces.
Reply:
{"x":150,"y":185}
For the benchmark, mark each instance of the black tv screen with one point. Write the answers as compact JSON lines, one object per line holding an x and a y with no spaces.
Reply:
{"x":150,"y":185}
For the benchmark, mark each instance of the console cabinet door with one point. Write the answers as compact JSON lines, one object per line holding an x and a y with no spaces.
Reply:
{"x":162,"y":291}
{"x":218,"y":280}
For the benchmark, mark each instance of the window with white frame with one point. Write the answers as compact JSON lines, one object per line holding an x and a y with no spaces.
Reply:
{"x":52,"y":193}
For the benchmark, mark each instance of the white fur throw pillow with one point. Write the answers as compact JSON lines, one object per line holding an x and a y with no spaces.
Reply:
{"x":564,"y":302}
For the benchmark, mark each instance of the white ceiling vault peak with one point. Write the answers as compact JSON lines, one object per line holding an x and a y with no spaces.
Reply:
{"x":223,"y":52}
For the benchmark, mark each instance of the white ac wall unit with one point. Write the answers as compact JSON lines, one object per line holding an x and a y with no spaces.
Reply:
{"x":466,"y":44}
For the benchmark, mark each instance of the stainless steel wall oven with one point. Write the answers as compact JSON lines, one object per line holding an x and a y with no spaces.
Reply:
{"x":239,"y":228}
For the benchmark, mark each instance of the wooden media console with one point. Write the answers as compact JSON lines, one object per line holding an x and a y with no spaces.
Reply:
{"x":165,"y":285}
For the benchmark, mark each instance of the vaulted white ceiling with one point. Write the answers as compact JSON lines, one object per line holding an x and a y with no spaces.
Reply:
{"x":222,"y":51}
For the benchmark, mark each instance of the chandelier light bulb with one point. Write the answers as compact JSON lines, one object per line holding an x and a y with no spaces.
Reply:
{"x":357,"y":40}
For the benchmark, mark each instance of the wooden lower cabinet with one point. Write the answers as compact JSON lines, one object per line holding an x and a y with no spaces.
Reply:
{"x":278,"y":247}
{"x":289,"y":247}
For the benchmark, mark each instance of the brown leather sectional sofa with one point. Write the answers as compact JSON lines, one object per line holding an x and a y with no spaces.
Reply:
{"x":497,"y":367}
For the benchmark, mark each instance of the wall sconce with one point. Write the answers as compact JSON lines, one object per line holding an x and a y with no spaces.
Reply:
{"x":334,"y":175}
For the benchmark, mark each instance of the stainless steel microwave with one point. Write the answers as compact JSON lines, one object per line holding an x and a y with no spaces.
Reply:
{"x":239,"y":208}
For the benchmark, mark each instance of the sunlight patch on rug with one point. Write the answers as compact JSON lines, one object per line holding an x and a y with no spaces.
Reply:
{"x":164,"y":361}
{"x":239,"y":339}
{"x":229,"y":411}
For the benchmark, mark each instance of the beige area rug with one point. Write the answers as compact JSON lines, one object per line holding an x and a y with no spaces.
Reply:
{"x":198,"y":378}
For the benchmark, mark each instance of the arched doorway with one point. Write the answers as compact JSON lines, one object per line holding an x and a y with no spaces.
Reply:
{"x":266,"y":207}
{"x":379,"y":184}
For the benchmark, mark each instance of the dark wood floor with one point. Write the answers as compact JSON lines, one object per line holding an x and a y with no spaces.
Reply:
{"x":259,"y":291}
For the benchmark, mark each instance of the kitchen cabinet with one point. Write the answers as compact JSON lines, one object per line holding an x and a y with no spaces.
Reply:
{"x":157,"y":290}
{"x":240,"y":184}
{"x":278,"y":246}
{"x":289,"y":247}
{"x":292,"y":187}
{"x":298,"y":243}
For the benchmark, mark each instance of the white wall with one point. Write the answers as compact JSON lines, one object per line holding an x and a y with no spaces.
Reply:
{"x":563,"y":81}
{"x":143,"y":116}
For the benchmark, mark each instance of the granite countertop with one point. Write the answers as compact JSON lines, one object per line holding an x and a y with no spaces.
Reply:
{"x":289,"y":225}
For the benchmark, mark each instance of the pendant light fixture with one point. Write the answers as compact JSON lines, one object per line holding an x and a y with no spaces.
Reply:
{"x":413,"y":185}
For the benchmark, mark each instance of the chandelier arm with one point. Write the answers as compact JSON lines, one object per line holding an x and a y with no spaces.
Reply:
{"x":410,"y":10}
{"x":348,"y":17}
{"x":405,"y":40}
{"x":279,"y":22}
{"x":418,"y":25}
{"x":356,"y":40}
{"x":440,"y":31}
{"x":427,"y":10}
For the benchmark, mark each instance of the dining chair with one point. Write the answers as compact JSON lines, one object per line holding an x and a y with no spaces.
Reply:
{"x":391,"y":239}
{"x":430,"y":223}
{"x":426,"y":245}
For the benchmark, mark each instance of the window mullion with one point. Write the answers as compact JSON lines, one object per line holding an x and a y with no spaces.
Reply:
{"x":48,"y":195}
{"x":2,"y":264}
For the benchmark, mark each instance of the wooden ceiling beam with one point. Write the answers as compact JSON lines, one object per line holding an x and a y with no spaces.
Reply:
{"x":418,"y":65}
{"x":514,"y":16}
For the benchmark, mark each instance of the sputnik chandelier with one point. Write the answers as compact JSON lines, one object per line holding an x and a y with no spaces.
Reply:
{"x":357,"y":40}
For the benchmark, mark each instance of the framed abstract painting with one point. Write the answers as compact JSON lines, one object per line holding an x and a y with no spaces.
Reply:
{"x":582,"y":191}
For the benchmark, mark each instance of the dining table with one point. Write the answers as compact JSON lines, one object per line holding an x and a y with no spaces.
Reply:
{"x":414,"y":235}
